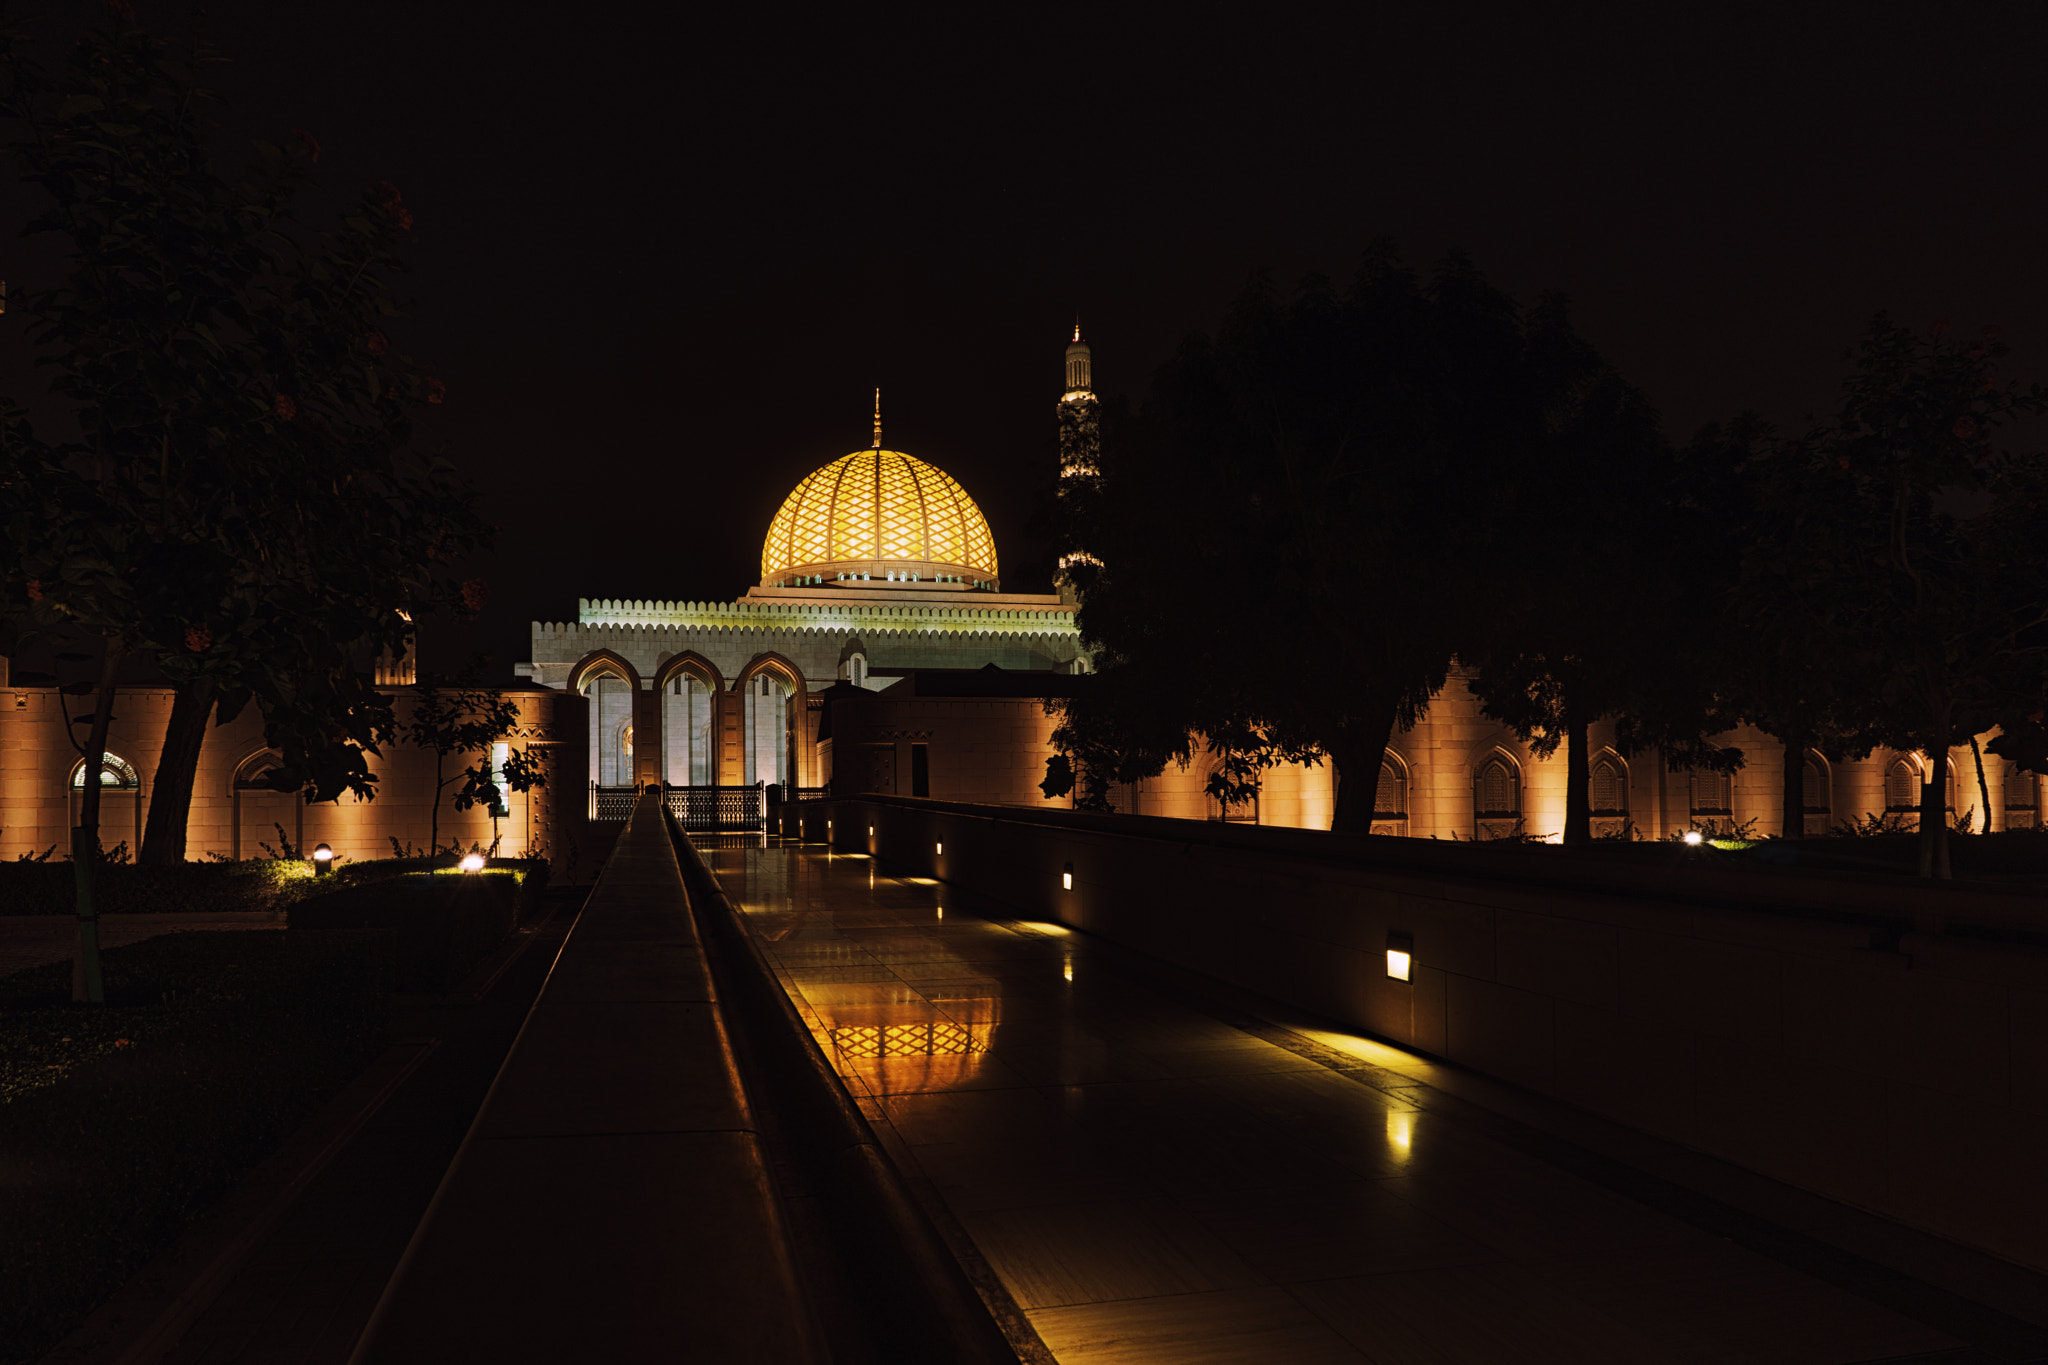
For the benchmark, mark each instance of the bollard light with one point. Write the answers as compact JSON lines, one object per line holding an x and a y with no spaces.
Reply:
{"x":323,"y":860}
{"x":473,"y":862}
{"x":1692,"y":837}
{"x":1400,"y":957}
{"x":1067,"y":877}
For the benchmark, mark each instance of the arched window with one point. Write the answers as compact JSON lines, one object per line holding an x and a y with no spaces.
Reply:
{"x":260,"y":808}
{"x":2022,"y":798}
{"x":1607,"y":786}
{"x":1814,"y":786}
{"x":1711,"y":793}
{"x":1902,"y":785}
{"x":857,"y":670}
{"x":1497,"y":790}
{"x":117,"y":774}
{"x":1390,"y":800}
{"x":120,"y":785}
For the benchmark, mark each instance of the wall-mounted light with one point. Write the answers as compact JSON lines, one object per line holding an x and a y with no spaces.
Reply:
{"x":940,"y":848}
{"x":473,"y":862}
{"x":323,"y":860}
{"x":1400,"y":957}
{"x":1693,"y":837}
{"x":1067,"y":877}
{"x":871,"y":831}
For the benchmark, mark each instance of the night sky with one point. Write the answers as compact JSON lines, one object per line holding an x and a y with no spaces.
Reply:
{"x":665,"y":253}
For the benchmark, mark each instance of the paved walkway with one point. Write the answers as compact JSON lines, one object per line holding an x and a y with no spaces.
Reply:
{"x":1155,"y":1174}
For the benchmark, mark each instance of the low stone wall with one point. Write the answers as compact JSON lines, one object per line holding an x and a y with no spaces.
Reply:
{"x":1875,"y":1040}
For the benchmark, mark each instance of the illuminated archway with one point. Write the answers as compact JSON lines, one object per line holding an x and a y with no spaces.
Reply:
{"x":689,"y":685}
{"x":609,"y":682}
{"x":766,"y":686}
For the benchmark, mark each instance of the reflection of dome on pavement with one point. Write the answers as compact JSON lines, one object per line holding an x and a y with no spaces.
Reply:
{"x":882,"y":514}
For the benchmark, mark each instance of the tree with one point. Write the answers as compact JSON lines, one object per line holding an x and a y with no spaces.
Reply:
{"x":1899,"y":524}
{"x":1596,"y":624}
{"x":459,"y":720}
{"x":257,"y":529}
{"x":1286,"y":481}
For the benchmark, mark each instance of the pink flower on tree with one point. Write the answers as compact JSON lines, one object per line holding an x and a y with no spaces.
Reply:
{"x":475,"y":592}
{"x":436,"y":390}
{"x":377,"y":343}
{"x":286,"y":408}
{"x":311,"y":143}
{"x":1965,"y":427}
{"x":35,"y":590}
{"x":198,"y":638}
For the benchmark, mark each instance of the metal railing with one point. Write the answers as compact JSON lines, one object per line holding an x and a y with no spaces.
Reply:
{"x":719,"y":808}
{"x":612,"y":804}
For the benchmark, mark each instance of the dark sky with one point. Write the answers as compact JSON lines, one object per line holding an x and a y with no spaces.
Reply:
{"x":665,"y":252}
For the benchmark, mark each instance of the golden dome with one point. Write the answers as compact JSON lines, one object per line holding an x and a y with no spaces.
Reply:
{"x":883,"y":514}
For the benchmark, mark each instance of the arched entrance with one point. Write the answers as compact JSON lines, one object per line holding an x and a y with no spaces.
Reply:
{"x":687,"y":703}
{"x":611,"y":725}
{"x":766,"y":733}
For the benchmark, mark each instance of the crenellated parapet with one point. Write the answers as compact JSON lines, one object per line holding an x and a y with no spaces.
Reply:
{"x":1052,"y":619}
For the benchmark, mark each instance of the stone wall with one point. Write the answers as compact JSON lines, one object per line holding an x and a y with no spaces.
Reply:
{"x":38,"y":805}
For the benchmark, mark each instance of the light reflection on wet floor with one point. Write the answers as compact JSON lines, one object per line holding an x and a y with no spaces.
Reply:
{"x":1154,"y":1185}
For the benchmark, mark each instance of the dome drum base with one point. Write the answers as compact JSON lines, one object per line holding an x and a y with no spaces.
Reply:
{"x":913,"y":574}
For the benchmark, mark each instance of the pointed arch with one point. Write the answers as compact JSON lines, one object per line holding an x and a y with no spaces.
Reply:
{"x":256,"y":808}
{"x":1902,"y":784}
{"x":768,"y":746}
{"x":1607,"y":783}
{"x":689,"y":686}
{"x":612,"y":684}
{"x":1390,"y":797}
{"x":1497,"y":786}
{"x":768,"y":661}
{"x":692,"y":663}
{"x":2022,"y":794}
{"x":598,"y":662}
{"x":1816,"y":784}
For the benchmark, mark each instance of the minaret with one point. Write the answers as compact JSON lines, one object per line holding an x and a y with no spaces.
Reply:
{"x":1079,"y":437}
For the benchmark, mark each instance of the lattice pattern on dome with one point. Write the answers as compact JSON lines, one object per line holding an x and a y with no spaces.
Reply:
{"x":878,"y":504}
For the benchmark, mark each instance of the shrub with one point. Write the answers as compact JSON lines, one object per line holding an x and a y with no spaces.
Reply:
{"x":123,"y":1122}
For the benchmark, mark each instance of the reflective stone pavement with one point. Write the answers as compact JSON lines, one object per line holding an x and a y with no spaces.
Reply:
{"x":1156,"y":1178}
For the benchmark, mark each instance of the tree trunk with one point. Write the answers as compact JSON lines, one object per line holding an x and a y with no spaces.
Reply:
{"x":1578,"y":785}
{"x":170,"y":796}
{"x":1983,"y":787}
{"x":1357,"y":753}
{"x":86,"y":982}
{"x":1933,"y":817}
{"x":434,"y":811}
{"x":1792,"y":791}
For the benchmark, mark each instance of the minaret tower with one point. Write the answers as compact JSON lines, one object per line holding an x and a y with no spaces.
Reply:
{"x":1079,"y":437}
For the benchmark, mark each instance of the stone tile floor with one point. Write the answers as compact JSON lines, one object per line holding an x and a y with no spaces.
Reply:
{"x":1151,"y":1182}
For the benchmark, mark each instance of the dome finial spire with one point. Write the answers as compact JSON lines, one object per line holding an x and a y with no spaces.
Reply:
{"x":1077,"y":326}
{"x":878,"y":419}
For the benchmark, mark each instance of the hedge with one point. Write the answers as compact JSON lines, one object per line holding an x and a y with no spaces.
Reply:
{"x":49,"y":888}
{"x":211,"y":1049}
